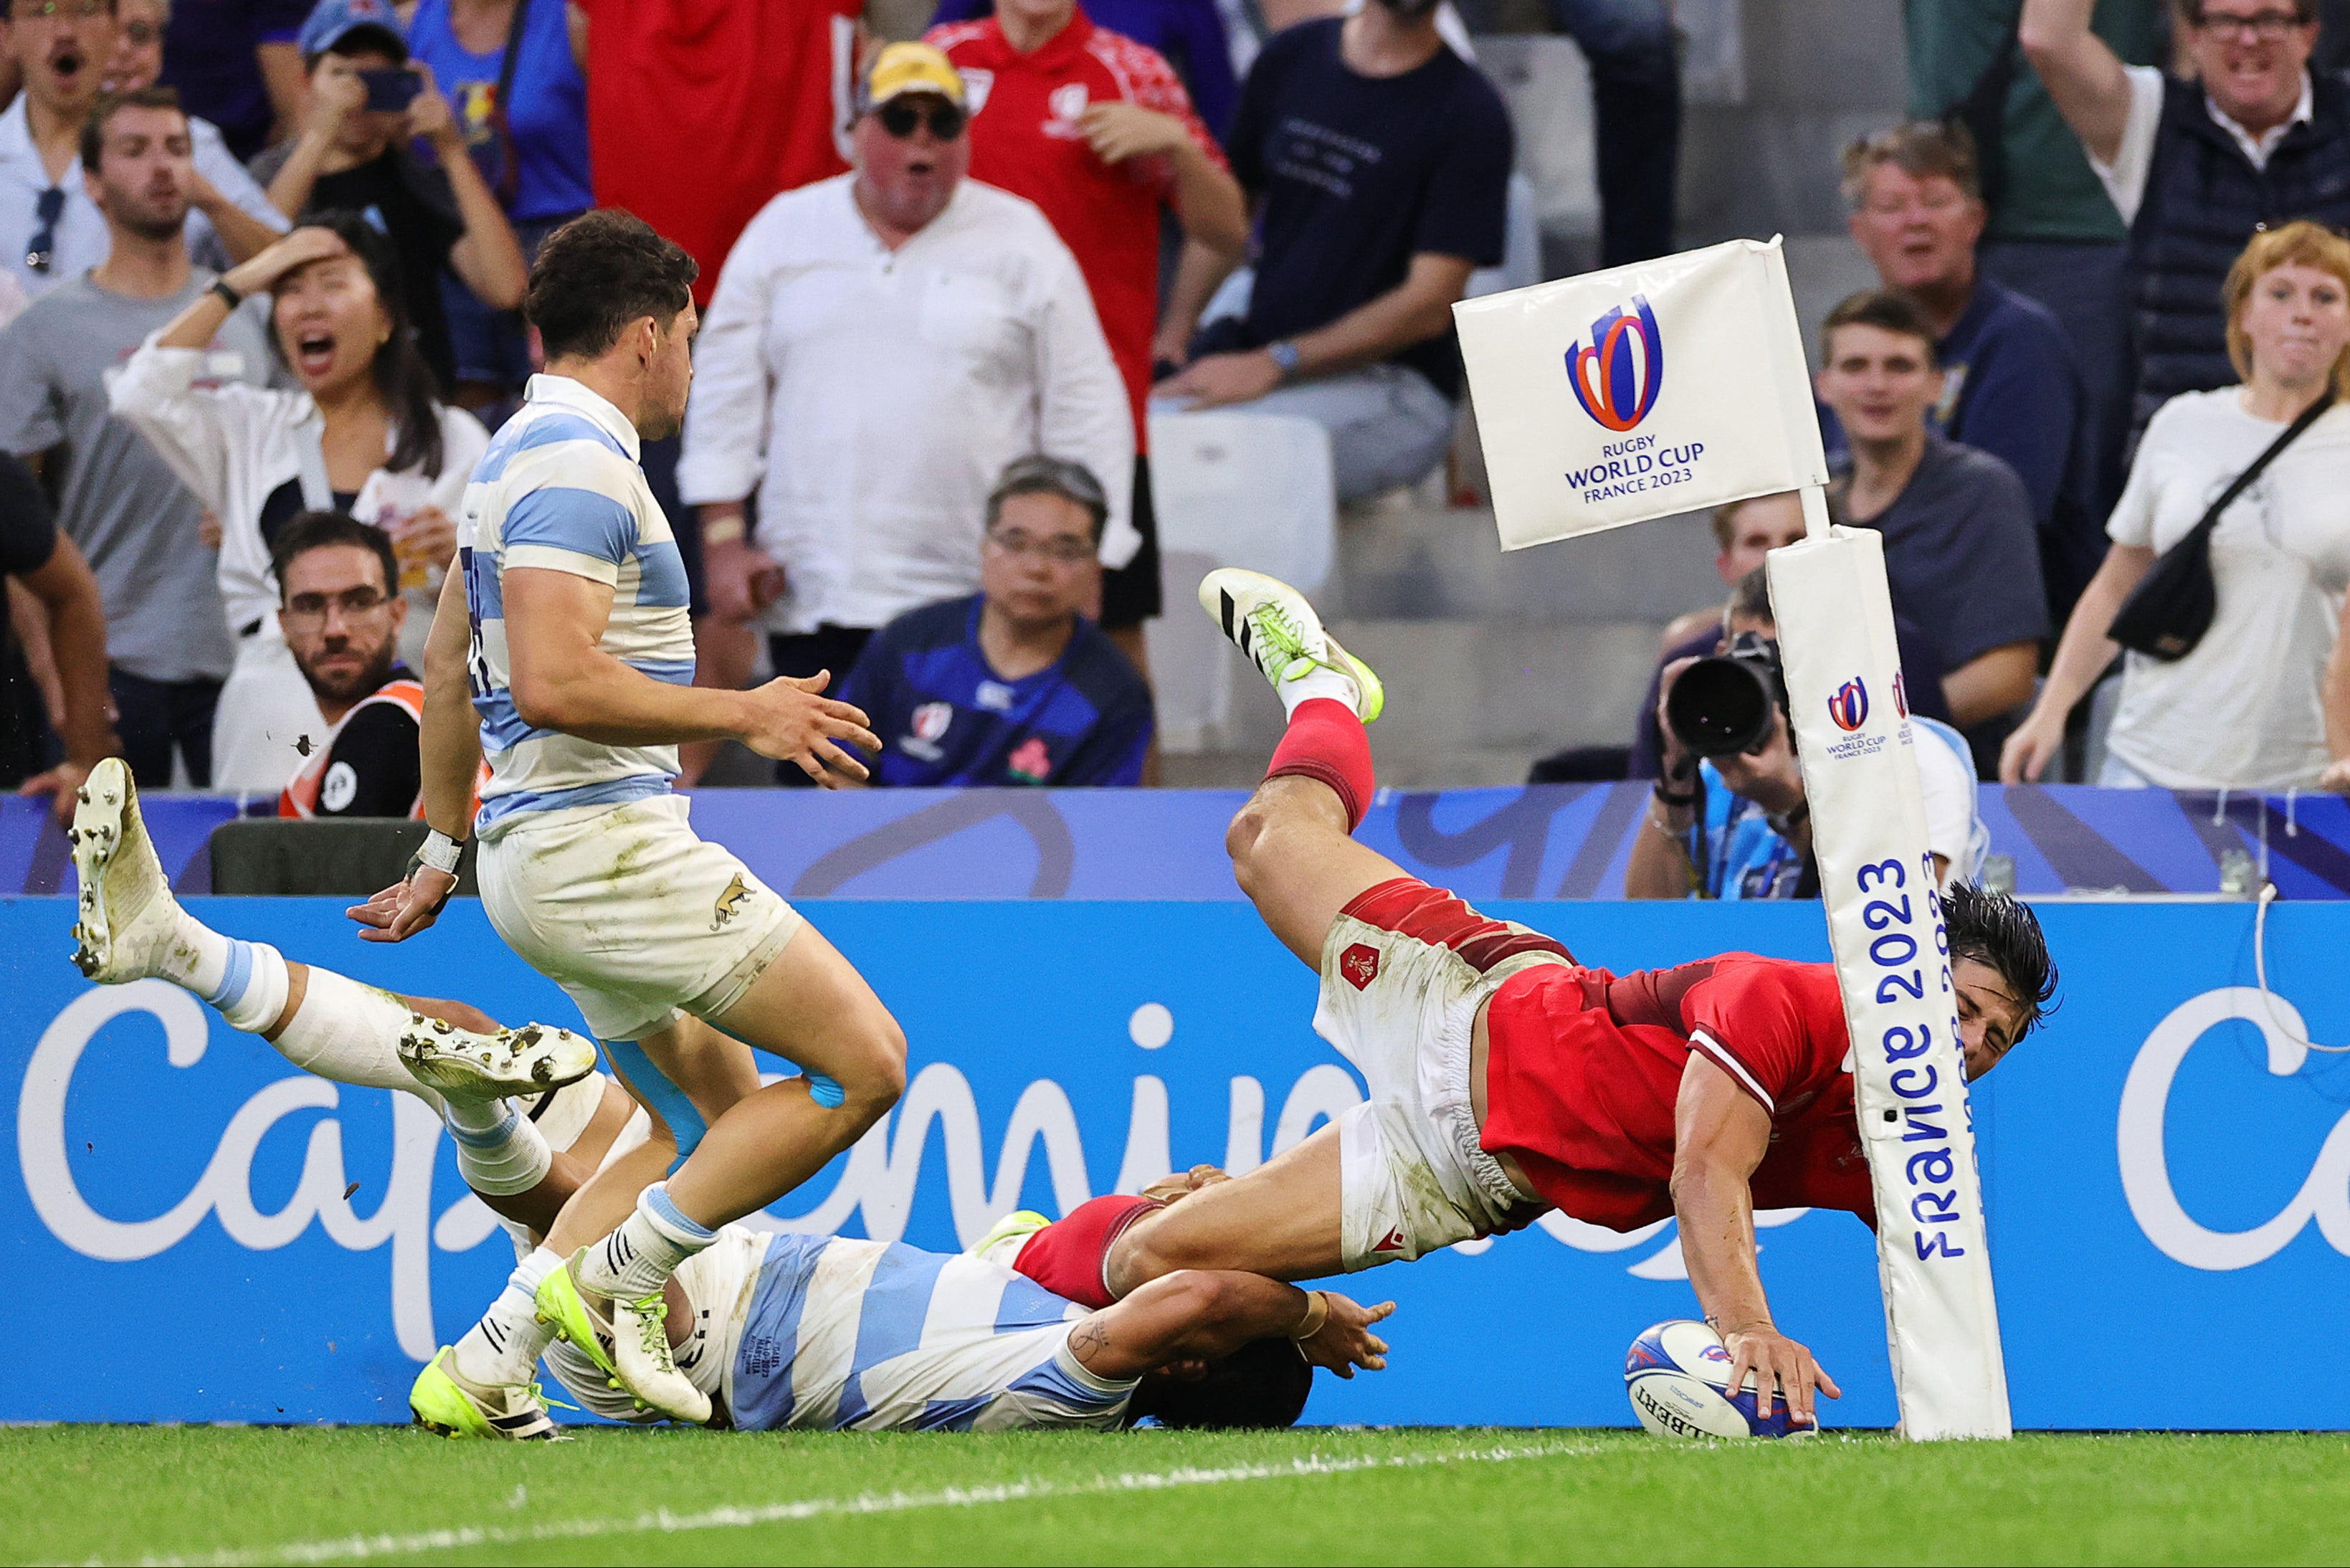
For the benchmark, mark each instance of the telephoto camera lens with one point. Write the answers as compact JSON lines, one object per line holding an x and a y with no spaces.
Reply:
{"x":1721,"y":706}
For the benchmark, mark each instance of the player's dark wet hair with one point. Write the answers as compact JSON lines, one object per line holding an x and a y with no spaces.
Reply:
{"x":598,"y":273}
{"x":2000,"y":930}
{"x":1259,"y":1386}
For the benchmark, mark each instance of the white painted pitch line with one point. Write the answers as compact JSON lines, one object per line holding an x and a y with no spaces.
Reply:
{"x":354,"y":1548}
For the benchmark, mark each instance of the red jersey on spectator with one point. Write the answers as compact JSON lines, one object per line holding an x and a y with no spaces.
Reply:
{"x":1584,"y":1069}
{"x":1024,"y":140}
{"x":700,"y":110}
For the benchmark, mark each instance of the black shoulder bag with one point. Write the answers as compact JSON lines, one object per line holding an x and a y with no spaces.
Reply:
{"x":2171,"y":608}
{"x":501,"y":165}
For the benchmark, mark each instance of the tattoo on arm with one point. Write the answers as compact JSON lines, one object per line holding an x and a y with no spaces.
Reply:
{"x":1089,"y":1337}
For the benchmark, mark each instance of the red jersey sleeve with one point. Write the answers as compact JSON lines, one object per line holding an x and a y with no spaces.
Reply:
{"x":1143,"y":74}
{"x":1776,"y":1027}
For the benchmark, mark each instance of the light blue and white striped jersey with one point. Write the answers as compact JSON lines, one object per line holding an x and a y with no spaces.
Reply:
{"x":822,"y":1332}
{"x":881,"y":1337}
{"x":559,"y":489}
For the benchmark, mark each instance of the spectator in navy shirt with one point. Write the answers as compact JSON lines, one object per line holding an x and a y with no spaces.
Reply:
{"x":2010,"y":384}
{"x":1013,"y":685}
{"x":1379,"y":161}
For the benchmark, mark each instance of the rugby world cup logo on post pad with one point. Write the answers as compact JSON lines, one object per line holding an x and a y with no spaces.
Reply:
{"x":1617,"y":378}
{"x":1849,"y":705}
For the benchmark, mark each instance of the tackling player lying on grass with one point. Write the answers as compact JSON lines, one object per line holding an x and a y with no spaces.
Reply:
{"x":828,"y":1332}
{"x":1505,"y":1077}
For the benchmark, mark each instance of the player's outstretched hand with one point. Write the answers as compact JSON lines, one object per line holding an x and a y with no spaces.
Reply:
{"x":1345,"y":1340}
{"x":404,"y":908}
{"x":1778,"y":1362}
{"x":791,"y":723}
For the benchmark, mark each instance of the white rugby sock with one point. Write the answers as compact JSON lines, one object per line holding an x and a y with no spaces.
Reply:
{"x":1320,"y":682}
{"x":505,"y":1346}
{"x":246,"y":981}
{"x":500,"y":1151}
{"x":635,"y":1260}
{"x":349,"y":1033}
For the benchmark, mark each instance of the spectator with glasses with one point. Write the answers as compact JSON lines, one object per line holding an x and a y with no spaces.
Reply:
{"x":1012,"y":685}
{"x":881,"y":345}
{"x":2197,"y":165}
{"x":341,"y":614}
{"x":118,"y":500}
{"x":50,"y":227}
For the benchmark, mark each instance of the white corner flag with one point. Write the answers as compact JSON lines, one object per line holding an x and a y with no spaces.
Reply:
{"x":1677,"y":384}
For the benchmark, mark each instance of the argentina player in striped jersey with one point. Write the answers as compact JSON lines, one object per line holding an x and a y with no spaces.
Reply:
{"x":563,"y":652}
{"x":828,"y":1332}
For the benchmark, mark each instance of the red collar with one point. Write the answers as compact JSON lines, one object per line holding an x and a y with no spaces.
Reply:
{"x":1056,"y":51}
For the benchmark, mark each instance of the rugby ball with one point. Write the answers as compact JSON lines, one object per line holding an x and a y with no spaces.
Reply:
{"x":1677,"y":1376}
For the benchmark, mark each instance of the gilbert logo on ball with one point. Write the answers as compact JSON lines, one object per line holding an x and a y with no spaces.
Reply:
{"x":1582,"y":428}
{"x":1678,"y":1377}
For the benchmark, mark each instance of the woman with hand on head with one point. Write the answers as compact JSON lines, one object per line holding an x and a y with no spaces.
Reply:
{"x":2262,"y":702}
{"x":364,"y":433}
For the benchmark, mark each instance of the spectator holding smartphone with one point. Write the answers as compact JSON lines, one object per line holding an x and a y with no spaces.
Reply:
{"x":368,"y":102}
{"x":366,"y":434}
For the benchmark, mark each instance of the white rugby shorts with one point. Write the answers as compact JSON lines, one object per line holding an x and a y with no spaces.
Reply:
{"x":630,"y":913}
{"x":1404,"y":970}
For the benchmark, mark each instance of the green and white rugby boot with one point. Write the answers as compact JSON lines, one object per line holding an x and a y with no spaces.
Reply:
{"x":527,"y":1060}
{"x":1276,"y":628}
{"x":130,"y":925}
{"x":445,"y":1403}
{"x":628,"y":1342}
{"x":1002,"y":1244}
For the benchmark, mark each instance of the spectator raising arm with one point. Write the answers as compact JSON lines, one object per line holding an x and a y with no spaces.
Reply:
{"x":2081,"y":71}
{"x":1415,"y":310}
{"x":488,"y":259}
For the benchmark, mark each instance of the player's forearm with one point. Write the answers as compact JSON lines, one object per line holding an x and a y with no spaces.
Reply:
{"x":1715,"y":1208}
{"x":449,"y":736}
{"x":598,"y":697}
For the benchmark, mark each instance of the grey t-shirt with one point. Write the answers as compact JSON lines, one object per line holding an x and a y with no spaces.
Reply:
{"x":1960,"y":551}
{"x":116,"y":497}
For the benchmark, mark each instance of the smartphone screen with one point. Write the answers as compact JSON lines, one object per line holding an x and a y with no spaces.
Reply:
{"x":392,"y":91}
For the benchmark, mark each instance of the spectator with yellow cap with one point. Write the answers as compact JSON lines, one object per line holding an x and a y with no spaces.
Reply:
{"x":880,"y":345}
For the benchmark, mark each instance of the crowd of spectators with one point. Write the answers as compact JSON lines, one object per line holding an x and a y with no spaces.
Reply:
{"x":261,"y":265}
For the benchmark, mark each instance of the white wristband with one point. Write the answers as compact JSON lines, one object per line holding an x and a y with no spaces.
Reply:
{"x":441,"y":852}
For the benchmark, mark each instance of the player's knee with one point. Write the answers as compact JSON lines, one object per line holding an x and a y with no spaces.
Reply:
{"x":875,"y":1077}
{"x":1245,"y":839}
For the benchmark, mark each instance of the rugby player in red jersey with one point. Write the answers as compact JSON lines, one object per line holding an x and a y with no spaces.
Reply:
{"x":1506,"y":1078}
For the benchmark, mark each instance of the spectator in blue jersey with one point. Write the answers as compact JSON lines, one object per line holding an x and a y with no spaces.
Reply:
{"x":2010,"y":383}
{"x":1013,"y":685}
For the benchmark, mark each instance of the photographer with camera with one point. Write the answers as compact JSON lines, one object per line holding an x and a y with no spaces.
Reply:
{"x":1728,"y":818}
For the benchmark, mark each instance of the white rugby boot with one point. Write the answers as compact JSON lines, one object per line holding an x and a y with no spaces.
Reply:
{"x":1276,"y":628}
{"x":527,"y":1060}
{"x":441,"y":1400}
{"x":129,"y":926}
{"x":628,"y":1341}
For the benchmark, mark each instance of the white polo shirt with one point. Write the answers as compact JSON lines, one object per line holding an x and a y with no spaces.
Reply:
{"x":871,"y":398}
{"x":81,"y":239}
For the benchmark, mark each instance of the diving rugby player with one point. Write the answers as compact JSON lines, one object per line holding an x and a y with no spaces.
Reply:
{"x":567,"y":631}
{"x":1506,"y":1078}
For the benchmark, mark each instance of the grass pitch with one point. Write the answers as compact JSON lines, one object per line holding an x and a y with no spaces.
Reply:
{"x":302,"y":1495}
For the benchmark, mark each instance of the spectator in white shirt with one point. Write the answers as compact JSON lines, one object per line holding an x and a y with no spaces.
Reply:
{"x":365,"y":435}
{"x":51,"y":229}
{"x":2263,"y":702}
{"x":881,"y":344}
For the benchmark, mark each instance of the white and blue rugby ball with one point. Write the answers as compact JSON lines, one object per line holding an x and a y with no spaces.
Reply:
{"x":1677,"y":1376}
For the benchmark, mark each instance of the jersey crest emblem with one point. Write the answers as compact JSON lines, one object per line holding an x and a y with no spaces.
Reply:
{"x":1360,"y":964}
{"x":930,"y":721}
{"x":729,"y":903}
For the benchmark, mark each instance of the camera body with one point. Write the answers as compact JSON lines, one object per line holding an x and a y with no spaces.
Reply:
{"x":392,"y":91}
{"x":1721,"y":704}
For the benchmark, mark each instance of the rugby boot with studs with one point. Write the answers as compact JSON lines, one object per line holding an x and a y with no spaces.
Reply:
{"x":128,"y":927}
{"x":527,"y":1060}
{"x":1273,"y":626}
{"x":628,"y":1341}
{"x":443,"y":1401}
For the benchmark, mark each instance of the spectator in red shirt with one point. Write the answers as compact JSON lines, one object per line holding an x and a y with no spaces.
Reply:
{"x":1096,"y":130}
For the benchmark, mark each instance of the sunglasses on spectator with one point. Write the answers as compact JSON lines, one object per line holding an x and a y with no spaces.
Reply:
{"x":1060,"y":552}
{"x":311,"y":608}
{"x":141,"y":34}
{"x":899,"y":118}
{"x":50,"y":10}
{"x":46,"y":210}
{"x":2265,"y":26}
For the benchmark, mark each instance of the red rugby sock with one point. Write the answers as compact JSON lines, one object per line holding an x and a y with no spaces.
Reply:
{"x":1068,"y":1256}
{"x":1326,"y":741}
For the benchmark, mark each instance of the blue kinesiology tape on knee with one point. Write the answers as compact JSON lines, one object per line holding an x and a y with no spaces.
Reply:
{"x":663,"y":1098}
{"x":825,"y":1092}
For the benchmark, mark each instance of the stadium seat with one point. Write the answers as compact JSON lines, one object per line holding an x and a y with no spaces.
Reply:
{"x":1232,"y":489}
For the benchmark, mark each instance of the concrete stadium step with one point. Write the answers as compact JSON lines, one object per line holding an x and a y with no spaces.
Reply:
{"x":1432,"y":563}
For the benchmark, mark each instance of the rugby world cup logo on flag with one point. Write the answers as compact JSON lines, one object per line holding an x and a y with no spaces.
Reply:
{"x":1849,"y":706}
{"x":1617,"y":378}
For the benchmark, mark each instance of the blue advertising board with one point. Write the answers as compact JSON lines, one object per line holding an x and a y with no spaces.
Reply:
{"x":2166,"y":1167}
